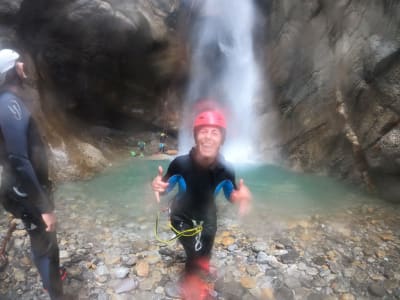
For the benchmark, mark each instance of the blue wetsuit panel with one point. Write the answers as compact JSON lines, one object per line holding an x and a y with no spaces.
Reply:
{"x":176,"y":179}
{"x":227,"y":186}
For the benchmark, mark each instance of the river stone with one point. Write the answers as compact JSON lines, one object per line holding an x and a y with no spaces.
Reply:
{"x":284,"y":293}
{"x":233,"y":247}
{"x":376,"y":289}
{"x":126,"y":285}
{"x":347,"y":296}
{"x":121,"y":272}
{"x":230,"y":290}
{"x":292,"y":282}
{"x":348,"y":272}
{"x":19,"y":275}
{"x":319,"y":260}
{"x":253,"y":269}
{"x":19,"y":243}
{"x":102,"y":278}
{"x":262,"y":258}
{"x":259,"y":246}
{"x":227,"y":241}
{"x":26,"y":261}
{"x":172,"y":289}
{"x":101,"y":270}
{"x":142,"y":268}
{"x":290,"y":257}
{"x":248,"y":282}
{"x":279,"y":252}
{"x":147,"y":284}
{"x":112,"y":259}
{"x":153,"y":258}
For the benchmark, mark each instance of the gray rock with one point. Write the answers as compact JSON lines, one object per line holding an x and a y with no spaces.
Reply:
{"x":101,"y":270}
{"x":259,"y":246}
{"x":262,"y":258}
{"x":172,"y":289}
{"x":121,"y":272}
{"x":126,"y":285}
{"x":376,"y":289}
{"x":290,"y":257}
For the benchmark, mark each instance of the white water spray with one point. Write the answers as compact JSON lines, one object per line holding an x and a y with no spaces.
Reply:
{"x":224,"y":69}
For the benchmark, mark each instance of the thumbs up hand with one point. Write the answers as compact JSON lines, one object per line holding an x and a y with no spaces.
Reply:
{"x":242,"y":196}
{"x":158,"y":185}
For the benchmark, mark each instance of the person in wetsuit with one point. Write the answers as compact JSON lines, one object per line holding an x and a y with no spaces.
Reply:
{"x":200,"y":175}
{"x":25,"y":189}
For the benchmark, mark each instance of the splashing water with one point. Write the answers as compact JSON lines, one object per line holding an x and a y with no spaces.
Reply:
{"x":224,"y":69}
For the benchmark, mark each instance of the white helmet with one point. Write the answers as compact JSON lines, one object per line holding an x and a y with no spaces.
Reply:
{"x":8,"y":59}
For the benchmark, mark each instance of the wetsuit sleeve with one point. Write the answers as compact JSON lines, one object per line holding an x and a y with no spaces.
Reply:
{"x":229,"y":183}
{"x":14,"y":126}
{"x":171,"y":171}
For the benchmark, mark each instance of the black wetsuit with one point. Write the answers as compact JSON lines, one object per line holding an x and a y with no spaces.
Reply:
{"x":195,"y":202}
{"x":25,"y":187}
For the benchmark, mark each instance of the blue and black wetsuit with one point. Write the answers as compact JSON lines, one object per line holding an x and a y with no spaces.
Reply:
{"x":25,"y":187}
{"x":195,"y":202}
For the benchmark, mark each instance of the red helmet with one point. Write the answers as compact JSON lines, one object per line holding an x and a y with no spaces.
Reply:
{"x":210,"y":118}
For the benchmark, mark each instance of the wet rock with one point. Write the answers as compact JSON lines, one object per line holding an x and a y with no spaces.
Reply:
{"x":142,"y":269}
{"x":253,"y":269}
{"x":172,"y":289}
{"x":126,"y":285}
{"x":262,"y":258}
{"x":376,"y":289}
{"x":284,"y":293}
{"x":248,"y":282}
{"x":228,"y":241}
{"x":19,"y":275}
{"x":259,"y":246}
{"x":231,"y":290}
{"x":347,"y":296}
{"x":319,"y":260}
{"x":121,"y":272}
{"x":101,"y":270}
{"x":290,"y":257}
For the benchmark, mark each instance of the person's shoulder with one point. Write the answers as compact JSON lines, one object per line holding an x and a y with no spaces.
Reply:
{"x":181,"y":159}
{"x":226,"y":165}
{"x":7,"y":96}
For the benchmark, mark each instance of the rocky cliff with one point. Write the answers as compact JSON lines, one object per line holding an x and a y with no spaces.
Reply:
{"x":334,"y":68}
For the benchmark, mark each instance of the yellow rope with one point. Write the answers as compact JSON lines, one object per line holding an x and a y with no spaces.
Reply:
{"x":187,"y":232}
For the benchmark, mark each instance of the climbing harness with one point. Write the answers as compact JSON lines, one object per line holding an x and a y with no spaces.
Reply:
{"x":194,"y":231}
{"x":198,"y":245}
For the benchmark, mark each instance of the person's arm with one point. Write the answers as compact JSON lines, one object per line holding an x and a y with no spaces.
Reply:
{"x":161,"y":184}
{"x":158,"y":185}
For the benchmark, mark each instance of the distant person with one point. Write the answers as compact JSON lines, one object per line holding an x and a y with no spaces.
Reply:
{"x":25,"y":186}
{"x":161,"y":147}
{"x":201,"y":174}
{"x":141,"y":145}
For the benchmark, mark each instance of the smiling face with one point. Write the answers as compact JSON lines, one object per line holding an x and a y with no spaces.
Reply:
{"x":209,"y":140}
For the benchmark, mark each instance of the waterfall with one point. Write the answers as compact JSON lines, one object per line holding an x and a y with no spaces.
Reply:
{"x":224,"y":71}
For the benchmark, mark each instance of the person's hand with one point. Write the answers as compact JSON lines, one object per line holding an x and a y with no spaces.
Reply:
{"x":242,"y":196}
{"x":50,"y":220}
{"x":158,"y":185}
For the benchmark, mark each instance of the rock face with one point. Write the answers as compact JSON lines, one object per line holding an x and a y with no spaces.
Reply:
{"x":320,"y":50}
{"x":96,"y":64}
{"x":98,"y":57}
